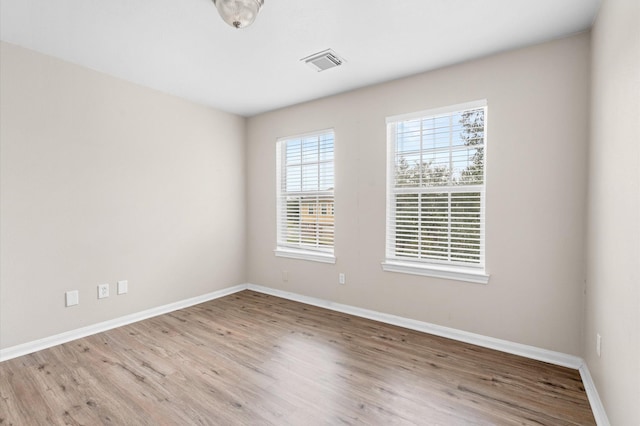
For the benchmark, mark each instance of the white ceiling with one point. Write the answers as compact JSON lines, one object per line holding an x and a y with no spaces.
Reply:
{"x":184,"y":48}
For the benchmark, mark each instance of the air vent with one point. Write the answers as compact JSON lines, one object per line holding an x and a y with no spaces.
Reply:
{"x":323,"y":60}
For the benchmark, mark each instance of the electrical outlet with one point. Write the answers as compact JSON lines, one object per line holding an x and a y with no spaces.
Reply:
{"x":341,"y":278}
{"x":103,"y":291}
{"x":598,"y":344}
{"x":72,"y":298}
{"x":123,"y":286}
{"x":285,"y":276}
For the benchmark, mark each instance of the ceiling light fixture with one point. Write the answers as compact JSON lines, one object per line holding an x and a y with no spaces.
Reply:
{"x":238,"y":13}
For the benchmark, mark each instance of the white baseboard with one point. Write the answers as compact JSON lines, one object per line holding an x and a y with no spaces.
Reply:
{"x":58,"y":339}
{"x":594,"y":398}
{"x":527,"y":351}
{"x":532,"y":352}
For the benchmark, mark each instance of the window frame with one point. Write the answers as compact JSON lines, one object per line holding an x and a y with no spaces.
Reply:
{"x":432,"y":267}
{"x":300,"y":251}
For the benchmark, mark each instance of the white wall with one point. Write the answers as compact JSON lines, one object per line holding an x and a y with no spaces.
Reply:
{"x":536,"y":196}
{"x":103,"y":180}
{"x":613,"y":266}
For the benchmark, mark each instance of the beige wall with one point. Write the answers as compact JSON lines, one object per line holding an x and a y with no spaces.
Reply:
{"x":103,"y":180}
{"x":613,"y":271}
{"x":537,"y":139}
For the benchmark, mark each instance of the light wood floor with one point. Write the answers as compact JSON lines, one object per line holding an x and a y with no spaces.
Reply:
{"x":253,"y":359}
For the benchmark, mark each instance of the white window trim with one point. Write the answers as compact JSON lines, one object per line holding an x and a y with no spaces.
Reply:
{"x":437,"y":111}
{"x":471,"y":274}
{"x":467,"y":274}
{"x":310,"y":254}
{"x":314,"y":256}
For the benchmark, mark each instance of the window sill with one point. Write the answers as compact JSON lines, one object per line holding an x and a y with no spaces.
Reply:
{"x":446,"y":272}
{"x":313,"y":256}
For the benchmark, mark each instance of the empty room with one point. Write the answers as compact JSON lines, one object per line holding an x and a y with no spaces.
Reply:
{"x":296,"y":212}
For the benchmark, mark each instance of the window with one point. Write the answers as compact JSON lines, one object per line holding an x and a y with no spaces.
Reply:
{"x":436,"y":193}
{"x":305,"y":183}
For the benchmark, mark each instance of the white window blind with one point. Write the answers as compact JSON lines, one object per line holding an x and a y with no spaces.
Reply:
{"x":305,"y":218}
{"x":436,"y":192}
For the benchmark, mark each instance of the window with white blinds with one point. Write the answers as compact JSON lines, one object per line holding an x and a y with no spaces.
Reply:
{"x":305,"y":182}
{"x":436,"y":193}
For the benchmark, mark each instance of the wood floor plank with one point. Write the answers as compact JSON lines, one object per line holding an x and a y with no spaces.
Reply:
{"x":255,"y":359}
